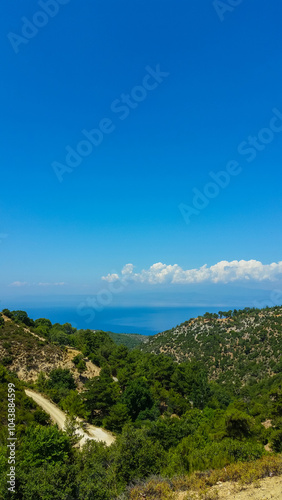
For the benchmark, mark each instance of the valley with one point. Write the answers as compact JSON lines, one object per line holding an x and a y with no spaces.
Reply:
{"x":198,"y":407}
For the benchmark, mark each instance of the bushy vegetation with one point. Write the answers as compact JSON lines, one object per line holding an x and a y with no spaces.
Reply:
{"x":18,"y":346}
{"x":234,"y":346}
{"x":130,"y":340}
{"x":158,"y":488}
{"x":171,"y":419}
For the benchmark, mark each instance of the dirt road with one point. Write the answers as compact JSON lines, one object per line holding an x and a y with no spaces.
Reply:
{"x":59,"y":417}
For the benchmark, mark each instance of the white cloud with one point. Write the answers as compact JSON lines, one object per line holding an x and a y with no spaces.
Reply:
{"x":19,"y":283}
{"x":110,"y":277}
{"x":222,"y":272}
{"x":128,"y":269}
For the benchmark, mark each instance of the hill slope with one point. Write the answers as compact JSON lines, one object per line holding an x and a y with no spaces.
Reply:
{"x":169,"y":419}
{"x":242,"y":346}
{"x":27,"y":354}
{"x":130,"y":340}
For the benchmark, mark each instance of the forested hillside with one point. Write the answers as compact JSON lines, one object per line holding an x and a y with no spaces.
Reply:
{"x":130,"y":340}
{"x":233,"y":346}
{"x":170,"y":418}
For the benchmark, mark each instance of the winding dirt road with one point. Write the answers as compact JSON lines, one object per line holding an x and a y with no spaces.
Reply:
{"x":59,"y":417}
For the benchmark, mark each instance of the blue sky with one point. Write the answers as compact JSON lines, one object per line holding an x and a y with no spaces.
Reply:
{"x":120,"y":205}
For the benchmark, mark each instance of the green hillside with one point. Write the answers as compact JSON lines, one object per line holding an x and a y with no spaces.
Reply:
{"x":174,"y":412}
{"x":234,"y":346}
{"x":130,"y":340}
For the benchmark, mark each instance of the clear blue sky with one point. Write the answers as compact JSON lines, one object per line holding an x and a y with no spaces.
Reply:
{"x":120,"y":205}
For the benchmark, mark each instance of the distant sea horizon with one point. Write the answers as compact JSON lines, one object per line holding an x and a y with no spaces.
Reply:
{"x":141,"y":320}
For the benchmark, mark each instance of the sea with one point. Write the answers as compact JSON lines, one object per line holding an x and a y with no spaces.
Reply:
{"x":142,"y":320}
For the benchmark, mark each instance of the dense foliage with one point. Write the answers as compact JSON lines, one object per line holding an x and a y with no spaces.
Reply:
{"x":130,"y":340}
{"x":170,"y":418}
{"x":234,"y":346}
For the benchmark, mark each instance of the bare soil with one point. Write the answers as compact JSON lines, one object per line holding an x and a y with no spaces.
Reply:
{"x":265,"y":489}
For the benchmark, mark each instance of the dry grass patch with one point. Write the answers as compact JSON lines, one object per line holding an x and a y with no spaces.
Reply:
{"x":200,"y":485}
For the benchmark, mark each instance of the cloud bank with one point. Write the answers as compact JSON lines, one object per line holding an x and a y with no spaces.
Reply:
{"x":25,"y":283}
{"x":222,"y":272}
